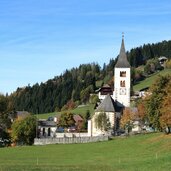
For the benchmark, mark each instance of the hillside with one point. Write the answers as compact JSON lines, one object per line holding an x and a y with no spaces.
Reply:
{"x":150,"y":80}
{"x":78,"y":83}
{"x":79,"y":110}
{"x":141,"y":152}
{"x":82,"y":109}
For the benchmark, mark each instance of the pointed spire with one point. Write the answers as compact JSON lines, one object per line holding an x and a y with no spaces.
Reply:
{"x":122,"y":60}
{"x":122,"y":35}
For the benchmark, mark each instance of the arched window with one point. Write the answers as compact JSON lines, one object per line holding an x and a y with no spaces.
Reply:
{"x":123,"y":74}
{"x":49,"y":131}
{"x":43,"y":131}
{"x":122,"y":83}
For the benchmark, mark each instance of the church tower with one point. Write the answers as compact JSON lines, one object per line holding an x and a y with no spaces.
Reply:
{"x":122,"y":78}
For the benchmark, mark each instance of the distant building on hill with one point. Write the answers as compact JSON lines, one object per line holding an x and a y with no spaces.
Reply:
{"x":162,"y":60}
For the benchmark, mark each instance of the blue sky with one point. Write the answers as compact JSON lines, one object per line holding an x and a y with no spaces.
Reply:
{"x":39,"y":39}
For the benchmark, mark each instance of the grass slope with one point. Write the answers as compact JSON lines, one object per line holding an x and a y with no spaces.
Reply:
{"x":150,"y":80}
{"x":79,"y":110}
{"x":141,"y":152}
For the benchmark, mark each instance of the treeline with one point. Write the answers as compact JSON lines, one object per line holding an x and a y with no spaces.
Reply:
{"x":138,"y":56}
{"x":77,"y":84}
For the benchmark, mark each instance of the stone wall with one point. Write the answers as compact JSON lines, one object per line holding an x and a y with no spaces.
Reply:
{"x":69,"y":140}
{"x":62,"y":135}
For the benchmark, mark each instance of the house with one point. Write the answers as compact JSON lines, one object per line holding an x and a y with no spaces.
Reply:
{"x":18,"y":115}
{"x":162,"y":60}
{"x":137,"y":126}
{"x":22,"y":114}
{"x":136,"y":122}
{"x":79,"y":121}
{"x":46,"y":128}
{"x":103,"y":91}
{"x":144,"y":92}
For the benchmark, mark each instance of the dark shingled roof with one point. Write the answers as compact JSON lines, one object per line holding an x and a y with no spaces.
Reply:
{"x":122,"y":60}
{"x":107,"y":105}
{"x":45,"y":123}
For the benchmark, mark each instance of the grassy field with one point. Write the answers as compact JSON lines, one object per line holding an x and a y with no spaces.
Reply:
{"x":150,"y":80}
{"x":140,"y":153}
{"x":79,"y":110}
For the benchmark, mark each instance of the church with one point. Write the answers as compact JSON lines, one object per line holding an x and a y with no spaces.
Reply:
{"x":113,"y":103}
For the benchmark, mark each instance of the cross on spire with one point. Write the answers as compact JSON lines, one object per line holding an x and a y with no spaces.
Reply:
{"x":122,"y":35}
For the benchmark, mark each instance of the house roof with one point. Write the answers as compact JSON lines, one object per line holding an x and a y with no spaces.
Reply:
{"x":106,"y":89}
{"x":162,"y":58}
{"x":106,"y":86}
{"x":144,"y":89}
{"x":45,"y":123}
{"x":77,"y":118}
{"x":107,"y":105}
{"x":22,"y":113}
{"x":122,"y":60}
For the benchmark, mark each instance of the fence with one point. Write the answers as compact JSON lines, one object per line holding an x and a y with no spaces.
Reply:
{"x":69,"y":140}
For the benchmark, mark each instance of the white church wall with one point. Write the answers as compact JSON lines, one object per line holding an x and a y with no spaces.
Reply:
{"x":89,"y":128}
{"x":96,"y":131}
{"x":122,"y":92}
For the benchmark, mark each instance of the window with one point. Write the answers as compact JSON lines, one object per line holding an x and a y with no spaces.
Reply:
{"x":123,"y":74}
{"x":44,"y":132}
{"x":122,"y":84}
{"x":49,"y":131}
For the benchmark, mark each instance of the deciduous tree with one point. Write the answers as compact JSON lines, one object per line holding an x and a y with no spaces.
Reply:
{"x":5,"y":122}
{"x":154,"y":101}
{"x":127,"y":119}
{"x":141,"y":114}
{"x":165,"y":118}
{"x":24,"y":131}
{"x":102,"y":121}
{"x":66,"y":120}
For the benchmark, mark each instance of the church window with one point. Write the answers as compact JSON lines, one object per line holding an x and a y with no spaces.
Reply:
{"x":122,"y":84}
{"x":49,"y":131}
{"x":123,"y":74}
{"x":44,"y":133}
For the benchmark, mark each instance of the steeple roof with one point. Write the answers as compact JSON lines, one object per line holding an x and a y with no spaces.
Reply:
{"x":122,"y":60}
{"x":107,"y":105}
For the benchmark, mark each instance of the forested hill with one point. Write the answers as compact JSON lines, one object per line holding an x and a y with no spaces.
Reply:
{"x":148,"y":51}
{"x":74,"y":86}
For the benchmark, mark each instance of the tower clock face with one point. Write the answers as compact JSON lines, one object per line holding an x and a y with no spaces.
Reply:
{"x":122,"y":91}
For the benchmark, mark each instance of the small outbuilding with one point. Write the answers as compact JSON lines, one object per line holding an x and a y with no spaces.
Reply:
{"x":46,"y":128}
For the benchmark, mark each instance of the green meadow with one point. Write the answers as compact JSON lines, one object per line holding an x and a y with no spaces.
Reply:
{"x":150,"y":80}
{"x":79,"y":110}
{"x":150,"y":152}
